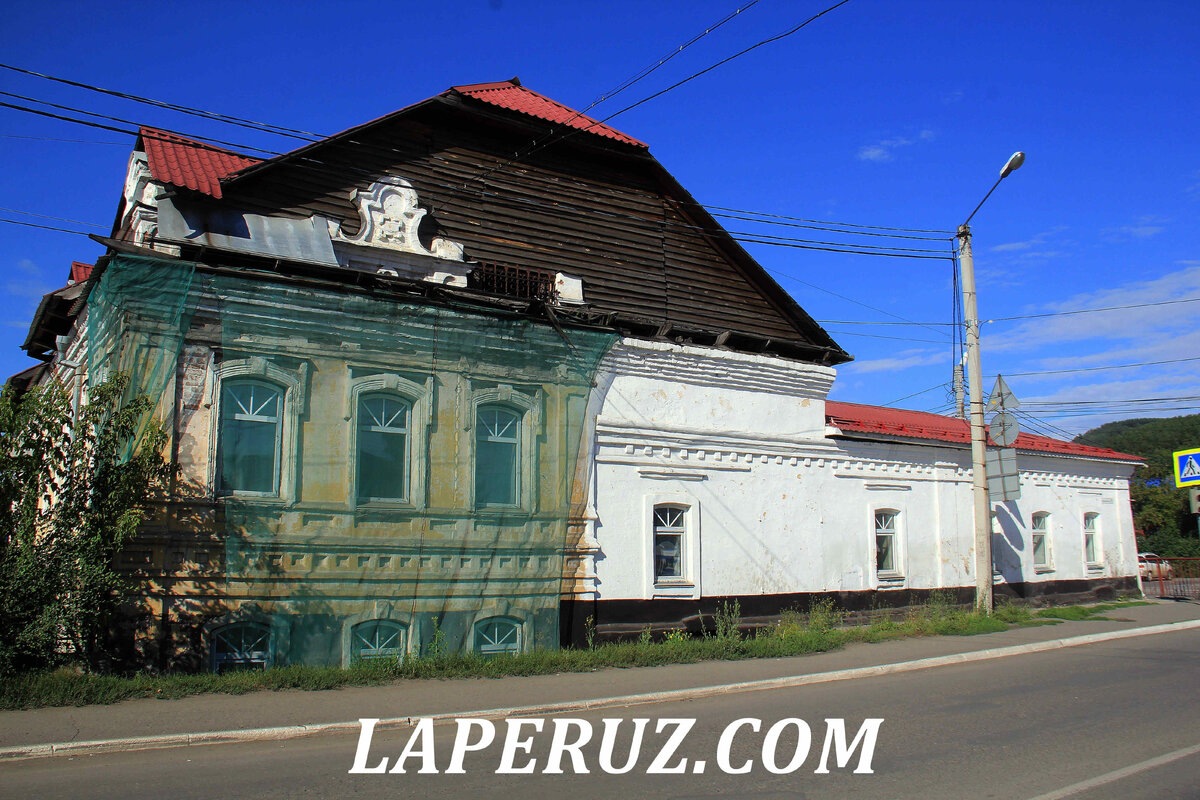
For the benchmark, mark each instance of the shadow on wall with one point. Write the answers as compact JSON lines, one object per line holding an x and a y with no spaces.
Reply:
{"x":1009,"y":543}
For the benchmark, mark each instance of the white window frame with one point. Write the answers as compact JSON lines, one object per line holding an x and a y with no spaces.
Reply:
{"x":291,"y":395}
{"x":265,"y":657}
{"x":687,"y":585}
{"x":527,"y":407}
{"x":1045,"y":532}
{"x":380,"y":611}
{"x":1096,"y":563}
{"x":895,"y":575}
{"x":418,"y":397}
{"x":488,"y":651}
{"x":357,"y":639}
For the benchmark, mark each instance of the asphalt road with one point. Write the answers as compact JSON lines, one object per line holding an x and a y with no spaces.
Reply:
{"x":1118,"y":719}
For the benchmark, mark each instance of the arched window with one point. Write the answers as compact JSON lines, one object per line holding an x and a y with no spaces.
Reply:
{"x":251,"y":427}
{"x":377,"y":638}
{"x":1040,"y":539}
{"x":497,"y":456}
{"x":383,"y":448}
{"x":241,"y":645}
{"x":496,"y":635}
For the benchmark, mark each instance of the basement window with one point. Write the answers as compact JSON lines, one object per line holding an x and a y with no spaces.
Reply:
{"x":241,"y":646}
{"x":377,"y":639}
{"x":498,"y":636}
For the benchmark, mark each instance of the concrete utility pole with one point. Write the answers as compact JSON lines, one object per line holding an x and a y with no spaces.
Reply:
{"x":983,"y":506}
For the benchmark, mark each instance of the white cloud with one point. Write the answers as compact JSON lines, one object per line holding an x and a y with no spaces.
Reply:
{"x":903,"y":360}
{"x":884,"y":150}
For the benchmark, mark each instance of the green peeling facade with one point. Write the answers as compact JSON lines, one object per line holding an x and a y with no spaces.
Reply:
{"x":271,"y":547}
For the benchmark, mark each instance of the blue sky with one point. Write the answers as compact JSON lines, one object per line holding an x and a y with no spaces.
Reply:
{"x":880,"y":113}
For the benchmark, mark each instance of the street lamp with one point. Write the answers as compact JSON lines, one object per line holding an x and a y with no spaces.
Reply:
{"x":983,"y":513}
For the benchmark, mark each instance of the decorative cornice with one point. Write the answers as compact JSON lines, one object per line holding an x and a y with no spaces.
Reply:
{"x":390,"y":215}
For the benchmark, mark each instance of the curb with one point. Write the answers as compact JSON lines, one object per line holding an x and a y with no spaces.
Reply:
{"x":295,"y":731}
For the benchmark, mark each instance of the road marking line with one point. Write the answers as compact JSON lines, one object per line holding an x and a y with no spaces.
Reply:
{"x":673,"y":695}
{"x":1120,"y":774}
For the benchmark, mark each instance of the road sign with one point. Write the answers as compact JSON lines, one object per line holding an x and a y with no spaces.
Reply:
{"x":1187,"y":467}
{"x":1004,"y":429}
{"x":1004,"y":482}
{"x":1001,"y":398}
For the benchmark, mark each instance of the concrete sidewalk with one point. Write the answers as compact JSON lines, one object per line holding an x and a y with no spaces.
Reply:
{"x":203,"y":713}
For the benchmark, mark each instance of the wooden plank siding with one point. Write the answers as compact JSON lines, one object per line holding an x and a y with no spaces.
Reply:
{"x":608,"y":214}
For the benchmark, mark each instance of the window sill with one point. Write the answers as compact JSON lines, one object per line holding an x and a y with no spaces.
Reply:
{"x":1094,"y":569}
{"x":680,"y":588}
{"x":1042,"y":570}
{"x":890,"y":580}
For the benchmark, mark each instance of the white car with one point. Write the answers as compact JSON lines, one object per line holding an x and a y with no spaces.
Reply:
{"x":1151,"y":566}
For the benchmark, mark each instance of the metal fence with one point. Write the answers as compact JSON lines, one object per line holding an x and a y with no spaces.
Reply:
{"x":1170,"y":578}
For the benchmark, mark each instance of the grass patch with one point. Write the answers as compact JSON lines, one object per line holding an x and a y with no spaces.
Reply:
{"x":819,"y":630}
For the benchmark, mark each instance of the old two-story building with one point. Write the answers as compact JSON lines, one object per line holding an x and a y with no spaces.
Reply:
{"x":424,"y":395}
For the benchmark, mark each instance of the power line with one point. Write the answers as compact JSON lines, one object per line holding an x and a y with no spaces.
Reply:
{"x":541,"y":142}
{"x":777,"y":242}
{"x":825,"y":222}
{"x":312,"y":137}
{"x":745,"y":216}
{"x":1098,"y":369}
{"x":50,"y":139}
{"x":857,"y":322}
{"x":230,"y":120}
{"x":914,"y":394}
{"x":878,"y":336}
{"x":47,"y":216}
{"x":1095,"y":310}
{"x":786,"y":276}
{"x":675,"y":85}
{"x":43,"y":227}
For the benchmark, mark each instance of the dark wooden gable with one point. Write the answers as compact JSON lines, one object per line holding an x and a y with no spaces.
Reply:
{"x":602,"y":211}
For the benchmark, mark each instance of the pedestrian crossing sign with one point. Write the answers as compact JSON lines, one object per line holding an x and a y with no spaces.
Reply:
{"x":1187,"y":468}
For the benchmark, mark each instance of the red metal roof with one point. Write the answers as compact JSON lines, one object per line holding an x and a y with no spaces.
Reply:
{"x":79,"y":272}
{"x":189,"y":163}
{"x":852,"y":417}
{"x":512,"y":95}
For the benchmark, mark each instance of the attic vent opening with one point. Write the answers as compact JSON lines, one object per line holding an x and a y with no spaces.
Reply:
{"x":532,"y":284}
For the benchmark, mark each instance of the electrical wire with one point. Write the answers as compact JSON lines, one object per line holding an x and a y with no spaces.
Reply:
{"x":1095,"y":310}
{"x":749,"y":215}
{"x":59,"y":219}
{"x":43,"y":227}
{"x":50,"y":139}
{"x":914,"y":394}
{"x":230,"y":120}
{"x":546,"y":139}
{"x":1099,"y":369}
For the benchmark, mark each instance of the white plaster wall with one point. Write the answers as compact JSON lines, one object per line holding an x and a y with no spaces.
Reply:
{"x":777,"y":506}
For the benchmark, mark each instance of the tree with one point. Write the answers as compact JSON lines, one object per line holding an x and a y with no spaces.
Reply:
{"x":1159,"y":508}
{"x":71,"y":495}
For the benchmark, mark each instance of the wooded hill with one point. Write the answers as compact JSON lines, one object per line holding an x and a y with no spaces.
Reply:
{"x":1159,"y":509}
